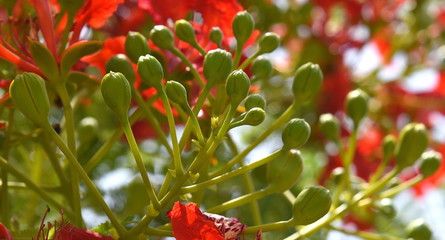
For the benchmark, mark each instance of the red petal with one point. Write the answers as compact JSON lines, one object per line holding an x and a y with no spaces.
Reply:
{"x":4,"y":233}
{"x":188,"y":223}
{"x":96,"y":12}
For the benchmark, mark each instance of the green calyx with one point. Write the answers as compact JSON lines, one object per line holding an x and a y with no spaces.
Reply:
{"x":284,"y":171}
{"x":430,"y":162}
{"x":255,"y":100}
{"x":296,"y":133}
{"x":262,"y":68}
{"x":116,"y":92}
{"x":237,"y":87}
{"x":216,"y":35}
{"x":217,"y":66}
{"x":389,"y":145}
{"x":307,"y":82}
{"x":162,"y":37}
{"x":412,"y":142}
{"x":185,"y":32}
{"x":136,"y":45}
{"x":268,"y":42}
{"x":418,"y":230}
{"x":357,"y":105}
{"x":151,"y":71}
{"x":242,"y":26}
{"x":176,"y":93}
{"x":330,"y":126}
{"x":252,"y":117}
{"x":310,"y":205}
{"x":120,"y":63}
{"x":28,"y":92}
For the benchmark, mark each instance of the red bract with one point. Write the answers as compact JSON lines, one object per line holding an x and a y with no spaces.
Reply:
{"x":188,"y":223}
{"x":4,"y":233}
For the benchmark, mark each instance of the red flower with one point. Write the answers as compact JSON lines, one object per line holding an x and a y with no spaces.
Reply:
{"x":111,"y":47}
{"x":96,"y":12}
{"x":188,"y":223}
{"x":4,"y":233}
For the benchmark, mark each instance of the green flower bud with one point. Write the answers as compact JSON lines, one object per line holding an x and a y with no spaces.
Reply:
{"x":386,"y":207}
{"x":430,"y":162}
{"x":412,"y":143}
{"x":357,"y":105}
{"x":295,"y":133}
{"x":242,"y":27}
{"x":151,"y":71}
{"x":176,"y":93}
{"x":262,"y":68}
{"x":162,"y":37}
{"x":136,"y":45}
{"x":255,"y":100}
{"x":117,"y":93}
{"x":311,"y":204}
{"x":389,"y":145}
{"x":307,"y":82}
{"x":120,"y":63}
{"x":330,"y":126}
{"x":28,"y":92}
{"x":185,"y":32}
{"x":87,"y":129}
{"x":217,"y":66}
{"x":418,"y":230}
{"x":337,"y":175}
{"x":268,"y":42}
{"x":216,"y":35}
{"x":237,"y":87}
{"x":284,"y":171}
{"x":254,"y":116}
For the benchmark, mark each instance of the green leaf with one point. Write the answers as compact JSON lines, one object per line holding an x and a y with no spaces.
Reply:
{"x":75,"y":52}
{"x":44,"y":60}
{"x":103,"y":228}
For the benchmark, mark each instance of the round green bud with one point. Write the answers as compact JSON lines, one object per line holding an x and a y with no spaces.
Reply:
{"x":262,"y":68}
{"x":217,"y":66}
{"x":389,"y":145}
{"x":185,"y":32}
{"x":116,"y":91}
{"x":28,"y":92}
{"x":242,"y":27}
{"x":150,"y":70}
{"x":136,"y":45}
{"x":268,"y":42}
{"x":295,"y":133}
{"x":176,"y":93}
{"x":330,"y":126}
{"x":337,"y":175}
{"x":284,"y":171}
{"x":357,"y":105}
{"x":87,"y":129}
{"x":430,"y":162}
{"x":255,"y":116}
{"x":412,"y":143}
{"x":162,"y":37}
{"x":386,"y":207}
{"x":311,"y":204}
{"x":418,"y":230}
{"x":216,"y":35}
{"x":119,"y":63}
{"x":307,"y":82}
{"x":255,"y":100}
{"x":237,"y":87}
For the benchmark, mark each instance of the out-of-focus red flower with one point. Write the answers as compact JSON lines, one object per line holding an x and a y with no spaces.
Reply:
{"x":69,"y":232}
{"x":368,"y":155}
{"x":111,"y":47}
{"x":96,"y":12}
{"x":4,"y":233}
{"x":188,"y":223}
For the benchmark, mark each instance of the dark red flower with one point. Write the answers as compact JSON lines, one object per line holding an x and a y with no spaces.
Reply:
{"x":4,"y":233}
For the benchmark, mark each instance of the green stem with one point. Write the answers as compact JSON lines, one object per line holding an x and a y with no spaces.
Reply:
{"x":366,"y":235}
{"x":4,"y":197}
{"x":171,"y":124}
{"x":98,"y":156}
{"x":83,"y":175}
{"x":153,"y":121}
{"x":187,"y":62}
{"x":229,"y":175}
{"x":249,"y":60}
{"x":199,"y":48}
{"x":238,"y":53}
{"x":71,"y":140}
{"x":276,"y":226}
{"x":348,"y":159}
{"x":46,"y":144}
{"x":241,"y":200}
{"x":279,"y":122}
{"x":397,"y":189}
{"x":23,"y":178}
{"x":140,"y":163}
